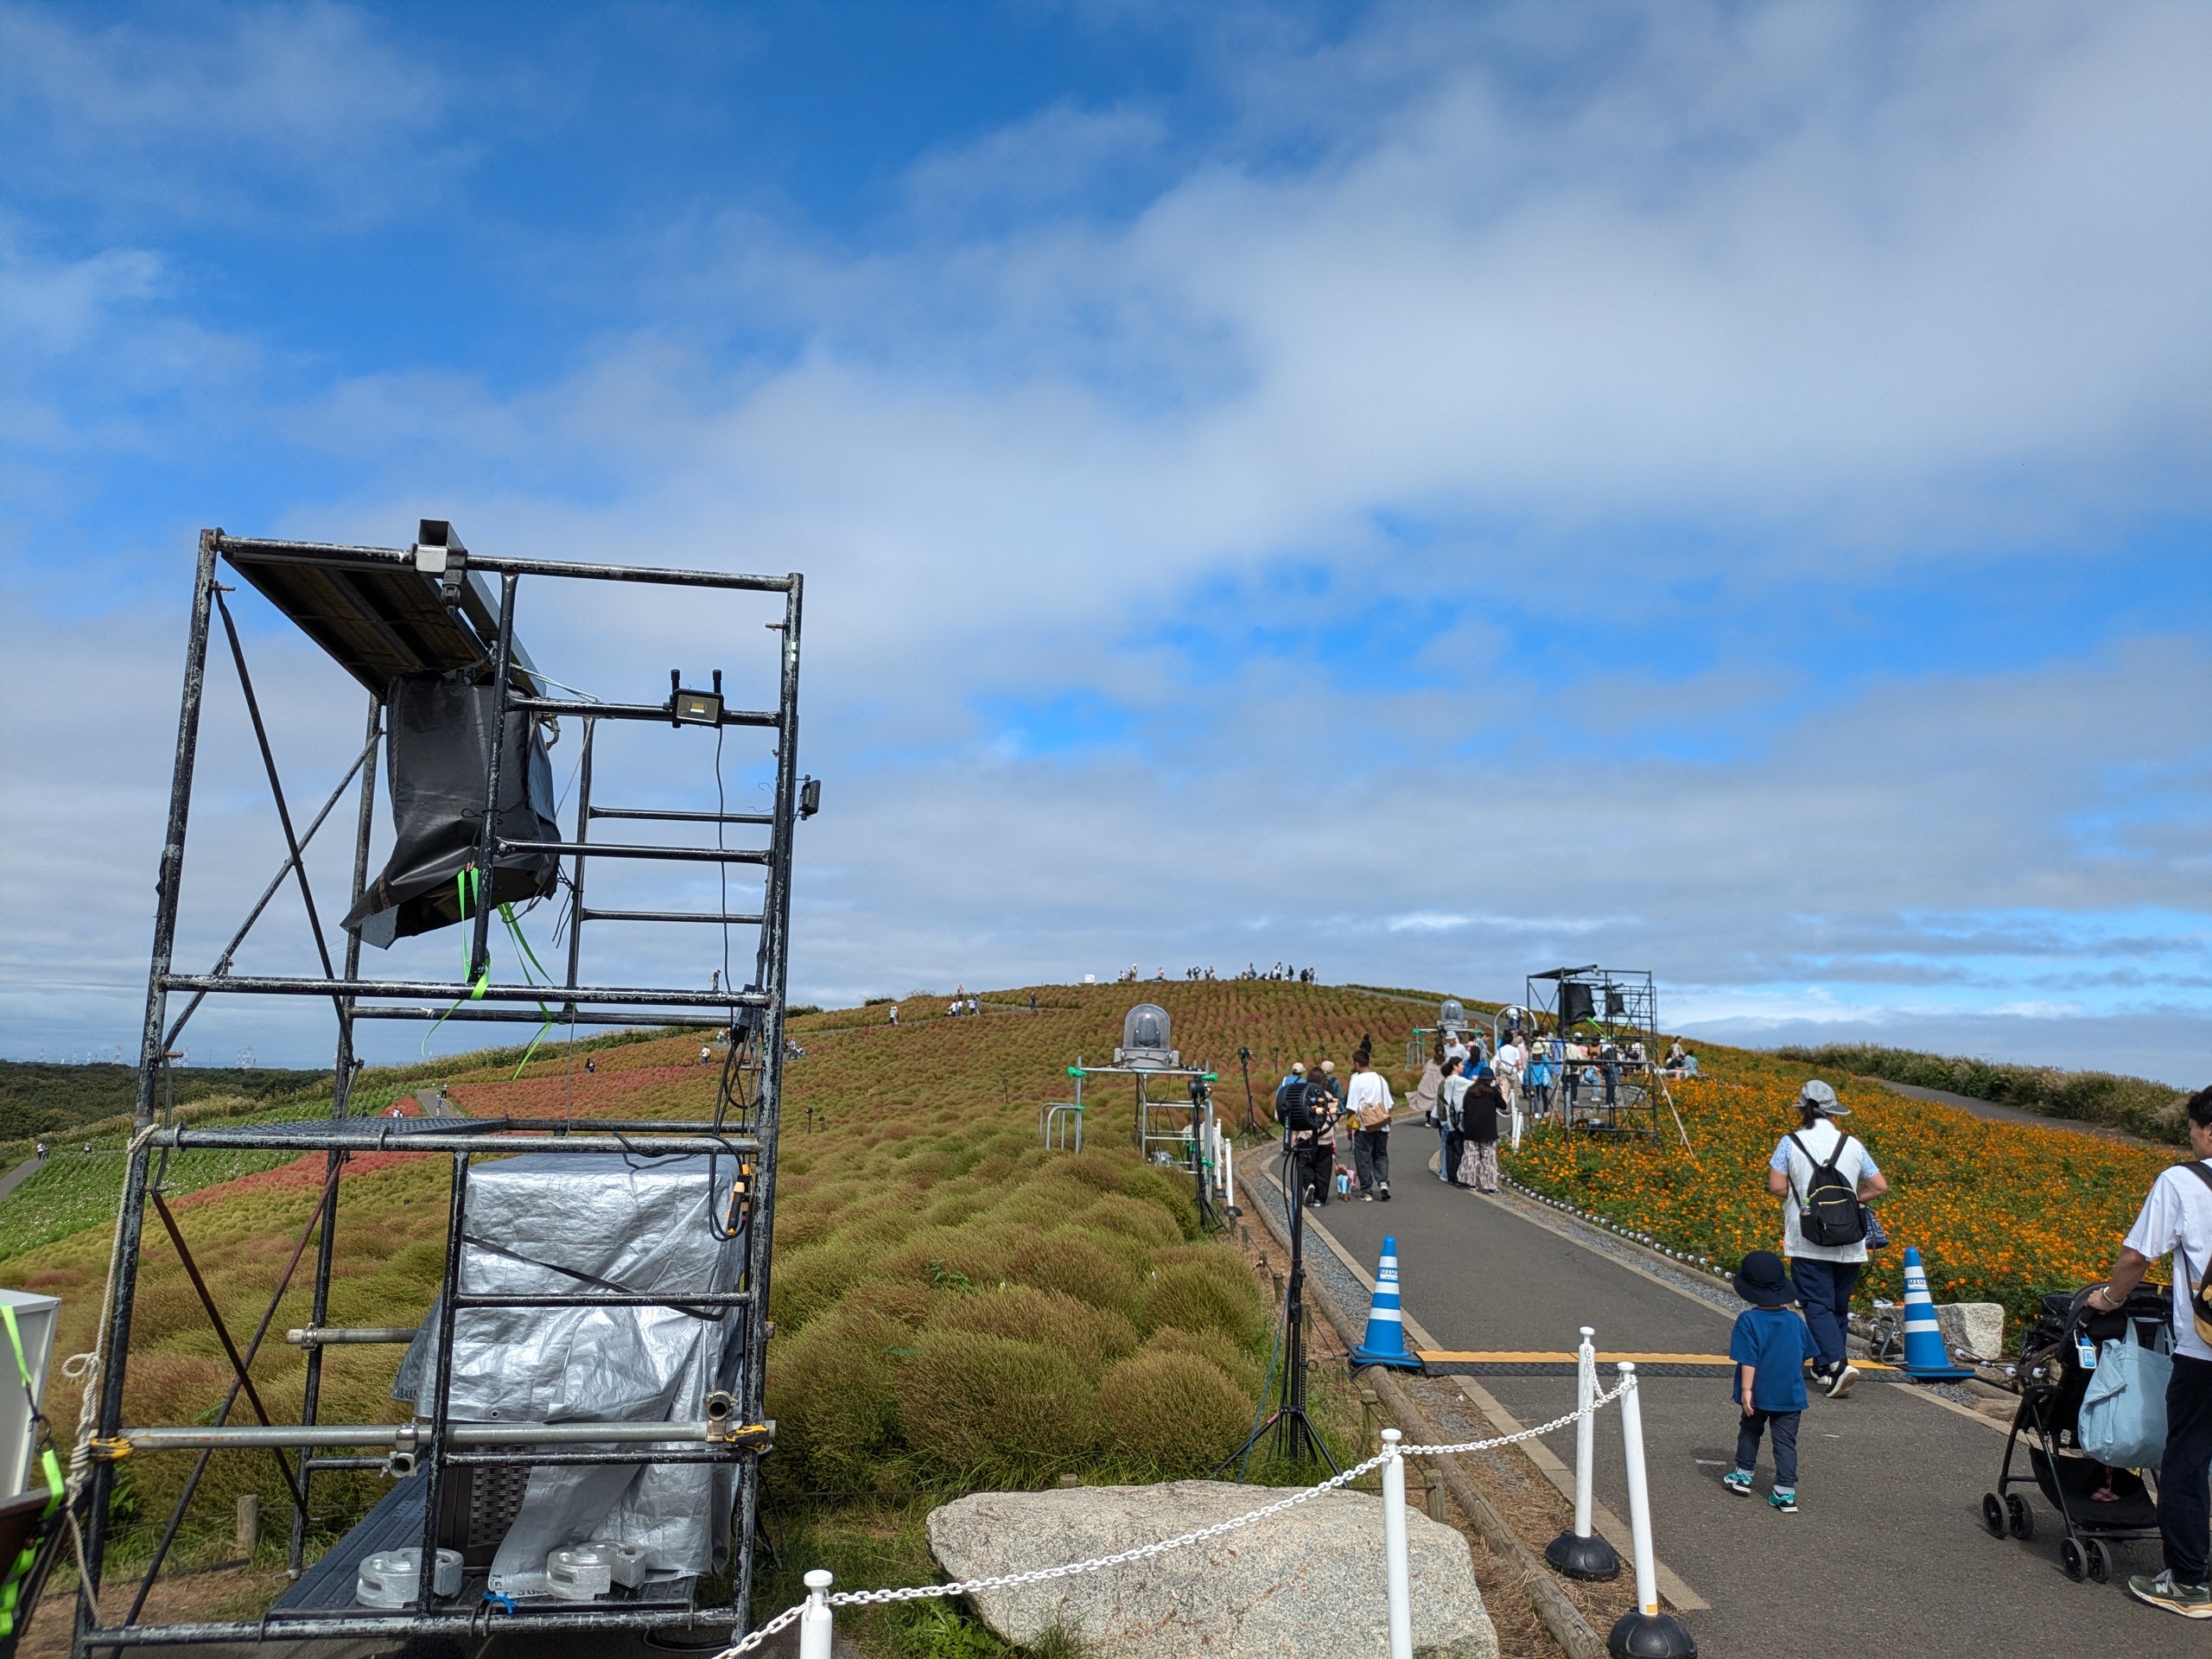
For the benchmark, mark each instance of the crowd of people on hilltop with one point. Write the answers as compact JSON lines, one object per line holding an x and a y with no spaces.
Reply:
{"x":1281,"y":970}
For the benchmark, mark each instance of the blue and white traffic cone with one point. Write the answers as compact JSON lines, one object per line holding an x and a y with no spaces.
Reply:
{"x":1385,"y":1343}
{"x":1926,"y":1358}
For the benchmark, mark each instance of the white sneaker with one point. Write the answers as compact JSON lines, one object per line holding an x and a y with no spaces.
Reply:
{"x":1840,"y":1381}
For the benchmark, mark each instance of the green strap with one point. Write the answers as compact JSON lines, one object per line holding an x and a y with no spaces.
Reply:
{"x":19,"y":1569}
{"x":466,"y":887}
{"x":529,"y":958}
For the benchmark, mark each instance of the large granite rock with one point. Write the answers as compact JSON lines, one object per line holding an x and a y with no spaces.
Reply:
{"x":1973,"y":1330}
{"x":1307,"y":1581}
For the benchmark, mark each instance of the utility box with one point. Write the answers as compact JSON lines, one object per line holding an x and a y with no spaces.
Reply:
{"x":35,"y":1319}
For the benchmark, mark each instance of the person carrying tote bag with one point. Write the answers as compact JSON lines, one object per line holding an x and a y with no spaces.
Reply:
{"x":2177,"y":1220}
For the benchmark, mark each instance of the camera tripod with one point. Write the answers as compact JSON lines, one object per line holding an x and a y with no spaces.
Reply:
{"x":1290,"y":1429}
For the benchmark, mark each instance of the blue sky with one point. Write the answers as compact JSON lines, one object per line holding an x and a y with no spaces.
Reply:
{"x":1416,"y":489}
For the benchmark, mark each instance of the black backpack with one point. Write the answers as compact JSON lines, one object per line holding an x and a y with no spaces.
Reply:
{"x":1828,"y":1214}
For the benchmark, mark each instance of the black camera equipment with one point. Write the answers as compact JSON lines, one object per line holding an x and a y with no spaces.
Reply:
{"x":1291,"y":1430}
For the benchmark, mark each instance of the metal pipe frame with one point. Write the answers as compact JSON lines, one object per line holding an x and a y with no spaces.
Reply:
{"x":340,"y":1097}
{"x":479,"y":1622}
{"x":523,"y":1017}
{"x":339,"y":554}
{"x":338,"y":1336}
{"x":652,"y":711}
{"x":377,"y":1136}
{"x":669,"y":916}
{"x":618,"y":849}
{"x":403,"y":1436}
{"x":443,"y":1443}
{"x":632,"y":995}
{"x":656,"y":815}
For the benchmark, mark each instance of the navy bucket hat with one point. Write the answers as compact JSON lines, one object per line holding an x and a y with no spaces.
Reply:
{"x":1762,"y":1282}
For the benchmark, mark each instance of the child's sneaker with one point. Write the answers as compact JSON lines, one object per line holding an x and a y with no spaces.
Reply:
{"x":1738,"y":1481}
{"x":1782,"y":1499}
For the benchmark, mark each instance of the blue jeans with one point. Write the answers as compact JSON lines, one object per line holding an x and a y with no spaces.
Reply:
{"x":1825,"y":1288}
{"x":1785,"y":1445}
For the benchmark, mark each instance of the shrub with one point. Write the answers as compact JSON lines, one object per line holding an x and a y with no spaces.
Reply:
{"x":961,"y":1258}
{"x":1199,"y":1295}
{"x":808,"y":1282}
{"x":1173,"y":1413}
{"x":1147,"y":1223}
{"x":904,"y":1305}
{"x":830,"y":1392}
{"x":1234,"y":1363}
{"x":1092,"y":1336}
{"x":990,"y":1409}
{"x":1077,"y":1263}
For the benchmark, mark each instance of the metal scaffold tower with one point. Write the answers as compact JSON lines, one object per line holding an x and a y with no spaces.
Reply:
{"x":457,"y":710}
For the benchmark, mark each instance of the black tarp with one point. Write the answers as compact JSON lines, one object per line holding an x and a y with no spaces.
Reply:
{"x":438,"y":753}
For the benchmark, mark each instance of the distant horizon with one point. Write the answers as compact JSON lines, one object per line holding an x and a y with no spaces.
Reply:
{"x":2036,"y":1042}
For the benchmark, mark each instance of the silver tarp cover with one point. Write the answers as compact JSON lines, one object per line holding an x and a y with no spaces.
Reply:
{"x":637,"y":1223}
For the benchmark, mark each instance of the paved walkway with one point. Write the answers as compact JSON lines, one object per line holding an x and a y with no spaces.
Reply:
{"x":22,"y":1173}
{"x":1997,"y":1111}
{"x":1886,"y":1555}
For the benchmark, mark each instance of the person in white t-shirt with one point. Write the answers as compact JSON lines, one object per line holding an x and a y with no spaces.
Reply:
{"x":1369,"y":1102}
{"x":1825,"y":1274}
{"x":1505,"y":1066}
{"x":2177,"y":1221}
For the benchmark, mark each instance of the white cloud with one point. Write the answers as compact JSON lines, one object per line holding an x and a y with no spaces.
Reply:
{"x":1829,"y":286}
{"x":213,"y":111}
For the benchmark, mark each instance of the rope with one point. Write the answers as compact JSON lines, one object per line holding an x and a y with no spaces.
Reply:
{"x":88,"y":1369}
{"x":1042,"y":1574}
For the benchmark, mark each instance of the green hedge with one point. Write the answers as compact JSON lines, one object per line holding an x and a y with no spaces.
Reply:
{"x":2137,"y":1105}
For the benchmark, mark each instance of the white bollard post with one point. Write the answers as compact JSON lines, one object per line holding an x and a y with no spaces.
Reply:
{"x":1646,"y":1630}
{"x":1395,"y":1570}
{"x":1579,"y":1552}
{"x":1639,"y":1493}
{"x":1229,"y":1169}
{"x":1585,"y":1432}
{"x":815,"y":1627}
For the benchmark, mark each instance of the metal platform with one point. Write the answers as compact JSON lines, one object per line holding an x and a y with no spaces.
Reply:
{"x":328,"y":1586}
{"x":386,"y":615}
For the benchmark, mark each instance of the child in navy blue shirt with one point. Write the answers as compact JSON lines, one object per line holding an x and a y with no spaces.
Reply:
{"x":1770,"y":1344}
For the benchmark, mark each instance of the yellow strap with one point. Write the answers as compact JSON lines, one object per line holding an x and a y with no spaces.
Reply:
{"x":24,"y":1370}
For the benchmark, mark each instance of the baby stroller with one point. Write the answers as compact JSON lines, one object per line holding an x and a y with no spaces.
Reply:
{"x":2053,"y":1378}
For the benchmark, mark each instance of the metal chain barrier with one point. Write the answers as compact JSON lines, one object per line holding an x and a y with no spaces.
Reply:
{"x":1042,"y":1574}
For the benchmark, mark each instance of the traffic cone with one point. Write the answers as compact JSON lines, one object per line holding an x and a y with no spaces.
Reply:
{"x":1385,"y":1343}
{"x":1926,"y":1358}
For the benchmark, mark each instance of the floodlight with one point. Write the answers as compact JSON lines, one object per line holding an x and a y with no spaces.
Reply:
{"x":689,"y":708}
{"x":810,"y":796}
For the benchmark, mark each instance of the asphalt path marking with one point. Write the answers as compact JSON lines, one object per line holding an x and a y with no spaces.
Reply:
{"x":1671,"y":1582}
{"x":1413,"y":1326}
{"x":1609,"y":1525}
